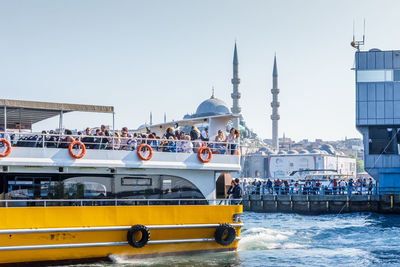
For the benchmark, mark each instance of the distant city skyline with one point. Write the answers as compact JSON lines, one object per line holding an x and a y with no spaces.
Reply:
{"x":165,"y":56}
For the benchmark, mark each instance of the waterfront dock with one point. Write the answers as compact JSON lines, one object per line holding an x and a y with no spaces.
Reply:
{"x":322,"y":204}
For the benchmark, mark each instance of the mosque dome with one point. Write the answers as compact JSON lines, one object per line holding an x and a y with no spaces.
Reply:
{"x":143,"y":126}
{"x":303,"y":151}
{"x":328,"y":148}
{"x":212,"y":106}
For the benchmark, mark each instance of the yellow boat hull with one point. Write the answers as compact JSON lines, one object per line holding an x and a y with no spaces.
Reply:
{"x":37,"y":234}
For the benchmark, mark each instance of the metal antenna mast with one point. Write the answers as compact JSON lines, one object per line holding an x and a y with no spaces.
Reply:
{"x":357,"y":44}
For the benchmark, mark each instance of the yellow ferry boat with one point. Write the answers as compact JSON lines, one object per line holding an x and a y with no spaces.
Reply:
{"x":84,"y":203}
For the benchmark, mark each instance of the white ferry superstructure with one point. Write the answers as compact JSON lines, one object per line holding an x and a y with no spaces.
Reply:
{"x":163,"y":204}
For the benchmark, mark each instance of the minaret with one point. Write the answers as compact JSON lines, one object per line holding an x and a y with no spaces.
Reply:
{"x":235,"y":95}
{"x":275,"y":105}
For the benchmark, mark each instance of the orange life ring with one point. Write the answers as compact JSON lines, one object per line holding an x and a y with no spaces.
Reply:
{"x":81,"y":146}
{"x":140,"y":151}
{"x":201,"y":153}
{"x":8,"y":150}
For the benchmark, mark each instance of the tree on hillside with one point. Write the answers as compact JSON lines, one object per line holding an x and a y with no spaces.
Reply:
{"x":359,"y":164}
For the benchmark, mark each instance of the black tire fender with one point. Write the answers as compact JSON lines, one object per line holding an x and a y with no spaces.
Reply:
{"x":225,"y":234}
{"x":143,"y":240}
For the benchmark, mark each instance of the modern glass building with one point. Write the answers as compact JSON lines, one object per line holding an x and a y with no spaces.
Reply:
{"x":378,"y":115}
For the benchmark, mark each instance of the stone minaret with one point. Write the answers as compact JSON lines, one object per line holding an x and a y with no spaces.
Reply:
{"x":275,"y":105}
{"x":235,"y":95}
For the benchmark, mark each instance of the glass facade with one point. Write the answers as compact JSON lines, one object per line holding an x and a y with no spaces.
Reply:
{"x":374,"y":75}
{"x":396,"y":75}
{"x":377,"y":88}
{"x":384,"y":139}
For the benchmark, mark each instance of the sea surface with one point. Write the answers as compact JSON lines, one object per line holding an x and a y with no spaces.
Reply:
{"x":358,"y":239}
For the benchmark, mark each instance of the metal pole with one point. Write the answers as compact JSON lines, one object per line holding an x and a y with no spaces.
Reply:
{"x":43,"y":140}
{"x":20,"y":119}
{"x":113,"y":129}
{"x":60,"y":128}
{"x":5,"y":121}
{"x":61,"y":120}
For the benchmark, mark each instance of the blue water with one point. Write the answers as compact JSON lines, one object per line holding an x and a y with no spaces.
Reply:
{"x":360,"y":239}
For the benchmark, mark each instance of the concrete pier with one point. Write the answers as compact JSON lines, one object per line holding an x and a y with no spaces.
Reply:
{"x":322,"y":204}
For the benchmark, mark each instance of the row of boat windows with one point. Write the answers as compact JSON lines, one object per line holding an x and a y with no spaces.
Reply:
{"x":98,"y":187}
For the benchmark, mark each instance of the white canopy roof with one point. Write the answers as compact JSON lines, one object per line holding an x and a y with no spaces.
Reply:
{"x":215,"y":123}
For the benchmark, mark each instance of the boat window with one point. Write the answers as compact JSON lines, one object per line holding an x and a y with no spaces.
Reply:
{"x":157,"y":187}
{"x":87,"y":187}
{"x":55,"y":187}
{"x":166,"y":185}
{"x":127,"y":181}
{"x":67,"y":186}
{"x":24,"y":187}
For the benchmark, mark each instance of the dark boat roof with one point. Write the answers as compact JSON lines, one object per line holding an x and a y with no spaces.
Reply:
{"x":22,"y":114}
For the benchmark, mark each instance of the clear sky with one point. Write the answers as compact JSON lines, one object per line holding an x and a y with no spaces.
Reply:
{"x":142,"y":56}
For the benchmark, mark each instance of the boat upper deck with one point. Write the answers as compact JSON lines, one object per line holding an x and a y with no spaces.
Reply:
{"x":28,"y":150}
{"x":107,"y":148}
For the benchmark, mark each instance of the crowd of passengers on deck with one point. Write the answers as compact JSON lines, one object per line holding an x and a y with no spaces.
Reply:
{"x":360,"y":186}
{"x":102,"y":138}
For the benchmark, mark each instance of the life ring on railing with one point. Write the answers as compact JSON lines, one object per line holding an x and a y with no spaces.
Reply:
{"x":81,"y":146}
{"x":225,"y":234}
{"x":204,"y":154}
{"x":138,"y":236}
{"x":141,"y":152}
{"x":7,"y":144}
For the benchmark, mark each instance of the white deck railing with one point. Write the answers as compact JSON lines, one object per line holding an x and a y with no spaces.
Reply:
{"x":39,"y":140}
{"x":113,"y":202}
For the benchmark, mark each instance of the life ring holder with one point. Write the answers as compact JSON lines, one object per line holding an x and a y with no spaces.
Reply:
{"x":225,"y":234}
{"x":81,"y":146}
{"x":145,"y":236}
{"x":200,"y":154}
{"x":140,"y":150}
{"x":8,"y":150}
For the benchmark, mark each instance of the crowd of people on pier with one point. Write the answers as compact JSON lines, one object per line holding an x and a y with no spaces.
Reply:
{"x":174,"y":140}
{"x":360,"y":186}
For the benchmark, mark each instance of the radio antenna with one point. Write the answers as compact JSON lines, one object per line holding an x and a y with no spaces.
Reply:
{"x":364,"y":33}
{"x":357,"y":44}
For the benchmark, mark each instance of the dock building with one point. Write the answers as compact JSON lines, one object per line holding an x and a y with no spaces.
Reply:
{"x":294,"y":164}
{"x":377,"y":75}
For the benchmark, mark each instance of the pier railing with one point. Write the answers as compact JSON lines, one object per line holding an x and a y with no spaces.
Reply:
{"x":321,"y":190}
{"x":114,"y":202}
